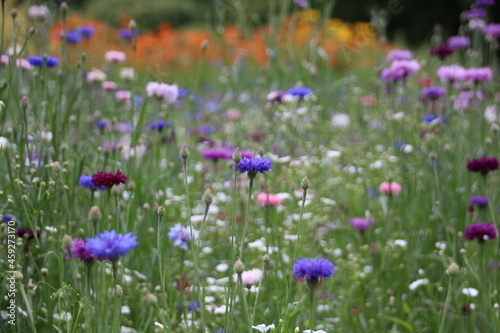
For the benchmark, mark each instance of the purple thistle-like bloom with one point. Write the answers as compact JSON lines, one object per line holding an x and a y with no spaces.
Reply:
{"x":485,"y":3}
{"x":458,"y":42}
{"x":400,"y":70}
{"x":300,"y":92}
{"x":80,"y":251}
{"x":86,"y":31}
{"x":102,"y":124}
{"x":479,"y":201}
{"x":159,"y":125}
{"x":254,"y":165}
{"x":313,"y":270}
{"x":215,"y":154}
{"x":442,"y":51}
{"x":109,"y":245}
{"x":480,"y":231}
{"x":492,"y":30}
{"x":86,"y":181}
{"x":128,"y":33}
{"x":479,"y":74}
{"x":451,"y":73}
{"x":433,"y":93}
{"x":476,"y":13}
{"x":483,"y":165}
{"x":399,"y":55}
{"x":181,"y":236}
{"x":361,"y":223}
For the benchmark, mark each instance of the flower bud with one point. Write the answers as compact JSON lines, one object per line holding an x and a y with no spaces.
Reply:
{"x":32,"y":32}
{"x":239,"y":267}
{"x":237,"y":155}
{"x":132,"y":25}
{"x":184,"y":152}
{"x":13,"y":13}
{"x":151,"y":299}
{"x":67,"y":242}
{"x":161,"y":210}
{"x":118,"y":291}
{"x":24,"y":103}
{"x":95,"y":214}
{"x":18,"y":275}
{"x":267,"y":259}
{"x":453,"y":269}
{"x":305,"y":183}
{"x":44,"y":271}
{"x":207,"y":197}
{"x":116,"y":190}
{"x":64,"y":8}
{"x":204,"y":45}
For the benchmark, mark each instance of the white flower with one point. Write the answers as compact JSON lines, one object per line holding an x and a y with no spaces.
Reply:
{"x":311,"y":331}
{"x":4,"y":142}
{"x":38,"y":13}
{"x":127,"y":73}
{"x":420,"y":282}
{"x":470,"y":292}
{"x":401,"y":243}
{"x":490,"y":114}
{"x":264,"y":327}
{"x":96,"y":75}
{"x":168,"y":92}
{"x":341,"y":120}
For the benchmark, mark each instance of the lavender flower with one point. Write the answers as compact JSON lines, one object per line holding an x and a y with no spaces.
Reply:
{"x":86,"y":181}
{"x":361,"y":223}
{"x":159,"y":125}
{"x":479,"y":201}
{"x":476,"y":13}
{"x":109,"y":245}
{"x":480,"y":74}
{"x":80,"y":251}
{"x":215,"y":154}
{"x":480,"y":231}
{"x":72,"y":37}
{"x":181,"y":236}
{"x":399,"y":55}
{"x":450,"y":74}
{"x":485,"y":3}
{"x":433,"y":93}
{"x":458,"y":42}
{"x":300,"y":92}
{"x":492,"y":30}
{"x":128,"y":33}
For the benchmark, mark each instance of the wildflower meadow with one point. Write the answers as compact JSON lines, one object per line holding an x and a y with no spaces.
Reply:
{"x":304,"y":175}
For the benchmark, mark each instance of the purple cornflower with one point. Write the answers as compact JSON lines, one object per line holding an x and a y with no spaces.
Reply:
{"x":432,"y":119}
{"x":479,"y":201}
{"x":451,"y":73}
{"x":314,"y":270}
{"x":433,"y":93}
{"x":361,"y":223}
{"x":193,"y":306}
{"x":467,"y":99}
{"x":480,"y":231}
{"x":458,"y":42}
{"x":79,"y":251}
{"x":109,"y":245}
{"x":399,"y":55}
{"x":7,"y":218}
{"x":301,"y":3}
{"x":159,"y":125}
{"x":400,"y":70}
{"x":442,"y":51}
{"x":102,"y":124}
{"x":254,"y":165}
{"x":300,"y":92}
{"x":476,"y":13}
{"x":181,"y":236}
{"x":86,"y":181}
{"x":479,"y":74}
{"x":128,"y":33}
{"x":492,"y":30}
{"x":72,"y":37}
{"x":215,"y":154}
{"x":485,"y":3}
{"x":86,"y":31}
{"x":483,"y":165}
{"x":27,"y":233}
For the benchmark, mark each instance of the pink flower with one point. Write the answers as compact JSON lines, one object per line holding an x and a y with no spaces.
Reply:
{"x":115,"y":57}
{"x":123,"y":95}
{"x":390,"y":188}
{"x":367,"y":101}
{"x":24,"y":64}
{"x":5,"y":60}
{"x":233,"y":114}
{"x":269,"y":199}
{"x":249,"y":278}
{"x":168,"y":92}
{"x":108,"y":85}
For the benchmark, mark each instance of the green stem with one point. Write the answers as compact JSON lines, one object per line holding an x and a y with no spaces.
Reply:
{"x":245,"y":222}
{"x":231,"y":256}
{"x":3,"y":26}
{"x":445,"y":307}
{"x":158,"y":248}
{"x":313,"y":314}
{"x":244,"y":301}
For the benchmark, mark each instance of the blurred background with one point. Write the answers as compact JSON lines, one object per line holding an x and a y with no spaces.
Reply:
{"x":409,"y":21}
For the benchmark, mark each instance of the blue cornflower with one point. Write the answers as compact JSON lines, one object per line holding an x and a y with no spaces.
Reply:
{"x":432,"y":119}
{"x":51,"y":62}
{"x":101,"y":124}
{"x":313,"y":270}
{"x":8,"y":218}
{"x":478,"y":200}
{"x":159,"y":125}
{"x":181,"y":236}
{"x":128,"y":33}
{"x":73,"y":37}
{"x":300,"y":92}
{"x":36,"y":61}
{"x":254,"y":165}
{"x":109,"y":245}
{"x":86,"y":31}
{"x":193,"y":306}
{"x":433,"y":93}
{"x":183,"y":93}
{"x":86,"y":181}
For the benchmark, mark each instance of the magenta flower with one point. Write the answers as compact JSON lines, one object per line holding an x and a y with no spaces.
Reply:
{"x":483,"y":165}
{"x":480,"y":231}
{"x":361,"y":223}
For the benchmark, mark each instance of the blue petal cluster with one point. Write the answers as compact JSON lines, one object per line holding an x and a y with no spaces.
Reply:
{"x":37,"y":61}
{"x":181,"y":236}
{"x":254,"y":165}
{"x":313,"y":269}
{"x":300,"y":92}
{"x":86,"y":181}
{"x":109,"y":245}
